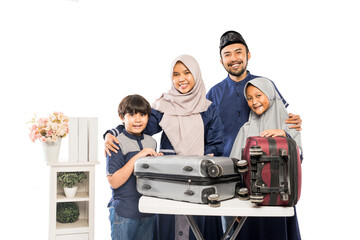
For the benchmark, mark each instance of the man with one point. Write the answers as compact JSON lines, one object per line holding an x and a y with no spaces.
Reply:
{"x":228,"y":96}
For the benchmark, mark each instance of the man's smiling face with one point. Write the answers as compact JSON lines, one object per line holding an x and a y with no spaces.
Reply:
{"x":234,"y":58}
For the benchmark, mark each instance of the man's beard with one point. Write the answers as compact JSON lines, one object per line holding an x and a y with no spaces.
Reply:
{"x":236,"y":73}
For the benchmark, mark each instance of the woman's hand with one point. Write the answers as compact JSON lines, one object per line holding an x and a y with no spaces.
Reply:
{"x":295,"y":120}
{"x":110,"y":141}
{"x":273,"y":133}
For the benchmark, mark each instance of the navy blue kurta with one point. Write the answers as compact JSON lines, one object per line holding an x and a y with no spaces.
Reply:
{"x":210,"y":226}
{"x":234,"y":111}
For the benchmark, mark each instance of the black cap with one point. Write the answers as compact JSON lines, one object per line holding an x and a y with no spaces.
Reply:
{"x":231,"y":37}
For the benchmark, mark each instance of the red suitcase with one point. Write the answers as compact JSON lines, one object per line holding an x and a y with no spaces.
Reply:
{"x":274,"y":175}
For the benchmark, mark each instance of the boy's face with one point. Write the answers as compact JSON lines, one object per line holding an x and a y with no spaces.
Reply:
{"x":257,"y":100}
{"x":183,"y":79}
{"x":135,"y":123}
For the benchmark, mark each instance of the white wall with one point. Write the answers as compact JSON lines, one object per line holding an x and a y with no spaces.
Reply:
{"x":82,"y":57}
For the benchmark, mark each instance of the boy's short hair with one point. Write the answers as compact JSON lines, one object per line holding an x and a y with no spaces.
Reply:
{"x":134,"y":104}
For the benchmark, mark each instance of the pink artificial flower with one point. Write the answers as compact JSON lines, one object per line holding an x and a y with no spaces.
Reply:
{"x":49,"y":129}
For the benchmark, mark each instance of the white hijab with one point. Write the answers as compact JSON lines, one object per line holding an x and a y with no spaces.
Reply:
{"x":182,"y":121}
{"x":273,"y":118}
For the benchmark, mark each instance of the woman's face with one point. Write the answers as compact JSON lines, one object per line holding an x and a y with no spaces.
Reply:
{"x":257,"y":100}
{"x":183,"y":79}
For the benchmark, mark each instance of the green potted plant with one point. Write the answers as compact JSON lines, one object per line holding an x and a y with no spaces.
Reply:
{"x":69,"y":180}
{"x":67,"y":212}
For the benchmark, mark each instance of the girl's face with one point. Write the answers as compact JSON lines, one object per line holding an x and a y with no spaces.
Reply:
{"x":183,"y":79}
{"x":257,"y":100}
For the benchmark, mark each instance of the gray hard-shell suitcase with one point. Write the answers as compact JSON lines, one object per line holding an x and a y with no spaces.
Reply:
{"x":196,"y":179}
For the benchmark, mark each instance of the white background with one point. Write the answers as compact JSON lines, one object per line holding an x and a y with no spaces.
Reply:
{"x":82,"y":57}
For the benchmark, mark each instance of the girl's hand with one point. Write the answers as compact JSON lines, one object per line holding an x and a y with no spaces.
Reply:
{"x":110,"y":141}
{"x":273,"y":133}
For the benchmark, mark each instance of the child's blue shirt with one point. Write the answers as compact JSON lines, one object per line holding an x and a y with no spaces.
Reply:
{"x":126,"y":198}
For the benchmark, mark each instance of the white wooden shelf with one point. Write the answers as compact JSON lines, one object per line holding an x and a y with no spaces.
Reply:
{"x":82,"y":196}
{"x":65,"y":163}
{"x":80,"y":226}
{"x":83,"y":228}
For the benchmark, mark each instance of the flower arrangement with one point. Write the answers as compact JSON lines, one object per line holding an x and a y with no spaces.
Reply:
{"x":49,"y":129}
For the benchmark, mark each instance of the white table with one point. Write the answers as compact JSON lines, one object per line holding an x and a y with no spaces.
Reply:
{"x":232,"y":207}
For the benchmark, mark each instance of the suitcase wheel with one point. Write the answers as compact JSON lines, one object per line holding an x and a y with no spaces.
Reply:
{"x":242,"y":166}
{"x":243,"y":194}
{"x":214,"y":200}
{"x":256,"y":151}
{"x":256,"y":198}
{"x":214,"y":170}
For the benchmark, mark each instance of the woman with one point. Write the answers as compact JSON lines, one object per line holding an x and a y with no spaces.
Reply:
{"x":191,"y":126}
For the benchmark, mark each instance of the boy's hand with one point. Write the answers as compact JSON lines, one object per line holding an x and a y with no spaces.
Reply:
{"x":147,"y":152}
{"x":110,"y":145}
{"x":294,"y":119}
{"x":273,"y":133}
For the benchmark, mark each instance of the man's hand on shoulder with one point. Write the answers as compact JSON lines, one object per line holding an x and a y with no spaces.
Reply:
{"x":295,"y":120}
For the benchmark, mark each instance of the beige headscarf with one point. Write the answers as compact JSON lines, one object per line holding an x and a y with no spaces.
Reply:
{"x":182,"y":122}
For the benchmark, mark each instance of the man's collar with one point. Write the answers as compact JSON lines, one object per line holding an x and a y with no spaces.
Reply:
{"x":244,"y":80}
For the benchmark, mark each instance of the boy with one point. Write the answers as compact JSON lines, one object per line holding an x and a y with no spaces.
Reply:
{"x":126,"y":220}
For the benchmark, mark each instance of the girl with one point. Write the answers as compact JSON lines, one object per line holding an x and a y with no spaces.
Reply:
{"x":267,"y":115}
{"x":191,"y":126}
{"x":266,"y":119}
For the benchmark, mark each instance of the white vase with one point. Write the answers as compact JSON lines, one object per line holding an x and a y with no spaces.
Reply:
{"x":52,"y":150}
{"x":70,"y":192}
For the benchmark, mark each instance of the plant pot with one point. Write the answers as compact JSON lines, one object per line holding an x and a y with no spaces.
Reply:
{"x":70,"y":192}
{"x":67,"y":212}
{"x":52,"y":150}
